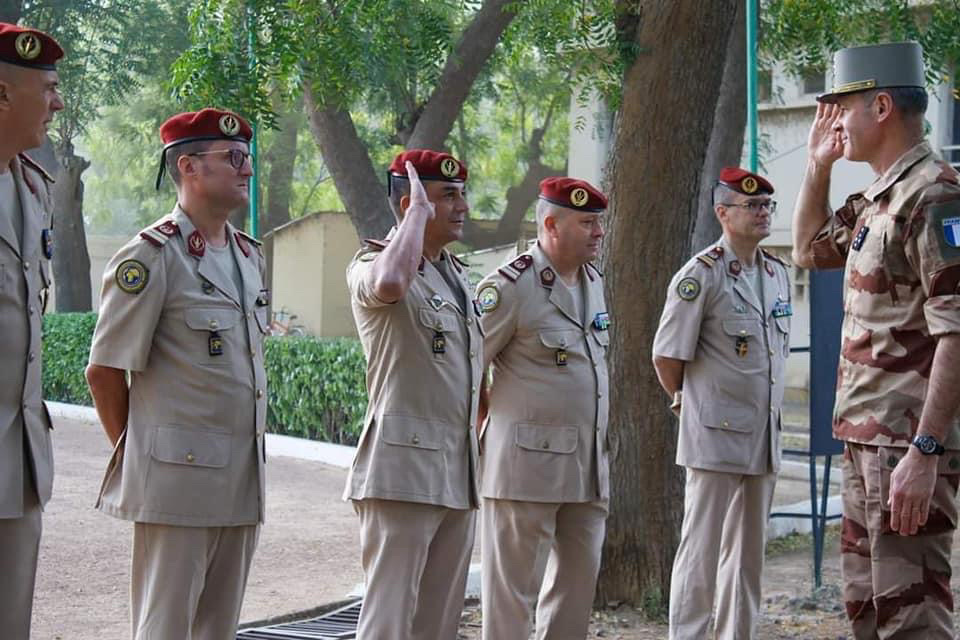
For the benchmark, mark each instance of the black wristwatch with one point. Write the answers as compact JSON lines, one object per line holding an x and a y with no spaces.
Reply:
{"x":928,"y":445}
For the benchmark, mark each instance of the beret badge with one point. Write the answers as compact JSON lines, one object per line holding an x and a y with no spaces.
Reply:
{"x":579,"y":197}
{"x":749,"y":185}
{"x":229,"y":125}
{"x":449,"y":167}
{"x":28,"y":46}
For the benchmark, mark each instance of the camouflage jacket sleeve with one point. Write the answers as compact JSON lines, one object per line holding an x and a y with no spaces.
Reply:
{"x":832,"y":242}
{"x":932,"y":246}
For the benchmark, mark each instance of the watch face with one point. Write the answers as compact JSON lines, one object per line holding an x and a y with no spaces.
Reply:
{"x":926,"y":444}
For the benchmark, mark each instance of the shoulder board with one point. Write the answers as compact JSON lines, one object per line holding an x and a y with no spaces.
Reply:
{"x":775,"y":258}
{"x":707,"y":260}
{"x":593,"y":270}
{"x":515,"y":268}
{"x":376,"y":245}
{"x":154,"y":237}
{"x":30,"y":162}
{"x":459,"y":263}
{"x":249,"y":238}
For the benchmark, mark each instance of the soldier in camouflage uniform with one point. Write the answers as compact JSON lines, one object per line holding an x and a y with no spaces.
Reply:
{"x":897,"y":401}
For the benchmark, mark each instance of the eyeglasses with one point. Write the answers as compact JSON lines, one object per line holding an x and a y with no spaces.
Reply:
{"x":754,"y":206}
{"x":236,"y":156}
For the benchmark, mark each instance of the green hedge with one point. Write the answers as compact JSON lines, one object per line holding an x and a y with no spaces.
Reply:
{"x":316,"y":385}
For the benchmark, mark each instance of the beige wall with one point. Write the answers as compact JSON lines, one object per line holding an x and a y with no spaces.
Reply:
{"x":101,"y":248}
{"x":310,"y":258}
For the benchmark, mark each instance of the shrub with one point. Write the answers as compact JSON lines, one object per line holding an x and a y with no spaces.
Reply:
{"x":316,"y":385}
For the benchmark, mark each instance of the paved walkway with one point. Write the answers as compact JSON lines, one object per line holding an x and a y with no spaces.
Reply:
{"x":307,"y":554}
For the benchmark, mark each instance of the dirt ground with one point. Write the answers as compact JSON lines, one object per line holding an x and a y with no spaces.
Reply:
{"x":308,"y":557}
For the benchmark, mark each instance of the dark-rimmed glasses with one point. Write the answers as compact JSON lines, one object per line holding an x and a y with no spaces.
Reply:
{"x":236,"y":157}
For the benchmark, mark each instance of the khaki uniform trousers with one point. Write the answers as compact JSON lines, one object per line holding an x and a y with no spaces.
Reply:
{"x":514,"y":536}
{"x":720,"y":554}
{"x":19,"y":547}
{"x":415,"y":562}
{"x":188,"y":582}
{"x":894,"y":587}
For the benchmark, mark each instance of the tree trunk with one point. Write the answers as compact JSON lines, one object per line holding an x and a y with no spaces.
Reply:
{"x":350,"y":166}
{"x":464,"y":64}
{"x":10,"y":10}
{"x":282,"y":156}
{"x":71,"y":262}
{"x":726,"y":140}
{"x":669,"y":100}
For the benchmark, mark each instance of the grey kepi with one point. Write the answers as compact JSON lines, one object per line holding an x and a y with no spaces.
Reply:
{"x":876,"y":66}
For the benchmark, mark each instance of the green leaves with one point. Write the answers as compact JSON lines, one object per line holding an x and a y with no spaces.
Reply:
{"x":316,"y":387}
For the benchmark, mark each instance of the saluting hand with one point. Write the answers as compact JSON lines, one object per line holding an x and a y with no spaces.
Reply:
{"x":825,"y":143}
{"x":419,"y":204}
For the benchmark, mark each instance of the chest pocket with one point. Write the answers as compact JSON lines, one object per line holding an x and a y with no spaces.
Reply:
{"x":208,"y":324}
{"x":560,"y":345}
{"x":440,"y":327}
{"x":746,"y":338}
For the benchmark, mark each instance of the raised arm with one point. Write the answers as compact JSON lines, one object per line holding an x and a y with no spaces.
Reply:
{"x":394,"y":270}
{"x":824,"y":147}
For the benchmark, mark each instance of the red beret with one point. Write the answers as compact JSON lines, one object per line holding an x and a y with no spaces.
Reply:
{"x":206,"y":124}
{"x":28,"y":47}
{"x":430,"y":165}
{"x":573,"y":194}
{"x":742,"y":181}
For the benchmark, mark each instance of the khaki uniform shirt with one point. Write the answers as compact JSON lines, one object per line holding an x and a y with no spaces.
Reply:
{"x":900,"y":243}
{"x":735,"y":348}
{"x":25,"y":445}
{"x":545,"y":438}
{"x":192,"y":453}
{"x":424,"y":358}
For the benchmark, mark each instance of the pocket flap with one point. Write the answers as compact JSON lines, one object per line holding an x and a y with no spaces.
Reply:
{"x":547,"y":438}
{"x":211,"y":319}
{"x":408,"y":431}
{"x":742,"y":419}
{"x":558,"y":338}
{"x":783,"y":324}
{"x":603,"y":337}
{"x":438,"y":320}
{"x":741,"y":327}
{"x":191,"y":446}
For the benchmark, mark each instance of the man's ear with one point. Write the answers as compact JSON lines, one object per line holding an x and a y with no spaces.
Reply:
{"x":721,"y":213}
{"x":186,"y":166}
{"x":883,"y":106}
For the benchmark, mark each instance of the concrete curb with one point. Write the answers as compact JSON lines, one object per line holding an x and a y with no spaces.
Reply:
{"x":342,"y":456}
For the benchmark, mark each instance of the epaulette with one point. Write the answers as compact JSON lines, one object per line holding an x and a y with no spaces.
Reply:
{"x":712,"y":256}
{"x":158,"y":234}
{"x":379,"y":245}
{"x":592,"y":269}
{"x":33,"y":164}
{"x":515,"y":268}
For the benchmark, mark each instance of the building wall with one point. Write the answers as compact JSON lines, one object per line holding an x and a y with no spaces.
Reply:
{"x":340,"y":243}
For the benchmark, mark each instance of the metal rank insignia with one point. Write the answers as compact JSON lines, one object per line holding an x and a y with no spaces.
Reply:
{"x":439,"y":342}
{"x":215,"y":344}
{"x":860,"y":237}
{"x":561,"y":357}
{"x":741,"y":346}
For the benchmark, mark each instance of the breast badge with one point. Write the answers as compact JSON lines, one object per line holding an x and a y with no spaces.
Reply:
{"x":132,"y":276}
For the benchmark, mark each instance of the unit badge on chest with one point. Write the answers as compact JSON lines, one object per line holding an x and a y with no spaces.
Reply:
{"x":742,"y":346}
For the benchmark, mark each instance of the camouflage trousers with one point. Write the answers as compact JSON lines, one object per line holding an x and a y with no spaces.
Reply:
{"x":895,"y":587}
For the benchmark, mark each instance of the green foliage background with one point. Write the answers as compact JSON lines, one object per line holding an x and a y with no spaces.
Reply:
{"x":316,"y":387}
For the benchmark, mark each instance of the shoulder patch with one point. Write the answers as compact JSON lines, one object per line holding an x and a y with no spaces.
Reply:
{"x":515,"y":268}
{"x":688,"y":289}
{"x":132,"y":276}
{"x":30,"y":162}
{"x":488,"y":297}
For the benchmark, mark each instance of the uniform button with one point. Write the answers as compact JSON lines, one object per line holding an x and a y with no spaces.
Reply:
{"x":743,"y":332}
{"x":26,"y":265}
{"x":259,"y":393}
{"x":773,"y":381}
{"x":473,"y":389}
{"x":190,"y":457}
{"x":30,"y":357}
{"x":771,"y":351}
{"x":415,"y":439}
{"x":546,"y":444}
{"x":214,"y":324}
{"x":30,"y":309}
{"x":469,"y":321}
{"x":726,"y":424}
{"x":599,"y":394}
{"x":473,"y":354}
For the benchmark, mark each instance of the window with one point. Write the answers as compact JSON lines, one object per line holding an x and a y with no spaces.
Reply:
{"x":813,"y":81}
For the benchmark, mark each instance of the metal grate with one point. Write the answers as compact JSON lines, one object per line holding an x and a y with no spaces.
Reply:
{"x":336,"y":625}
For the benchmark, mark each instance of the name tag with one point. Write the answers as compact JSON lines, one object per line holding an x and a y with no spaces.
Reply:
{"x":601,"y":321}
{"x":782,"y":309}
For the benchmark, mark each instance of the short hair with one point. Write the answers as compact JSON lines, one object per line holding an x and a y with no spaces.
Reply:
{"x":720,"y":193}
{"x":399,"y":186}
{"x":173,"y":154}
{"x":910,"y":101}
